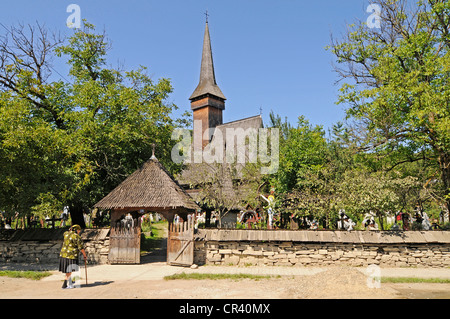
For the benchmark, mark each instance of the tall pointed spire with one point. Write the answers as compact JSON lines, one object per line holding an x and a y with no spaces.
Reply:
{"x":207,"y":101}
{"x":207,"y":84}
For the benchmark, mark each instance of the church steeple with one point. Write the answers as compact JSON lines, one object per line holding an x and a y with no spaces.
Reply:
{"x":207,"y":101}
{"x":207,"y":84}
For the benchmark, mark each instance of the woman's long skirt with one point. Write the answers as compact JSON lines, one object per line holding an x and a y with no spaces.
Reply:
{"x":67,"y":265}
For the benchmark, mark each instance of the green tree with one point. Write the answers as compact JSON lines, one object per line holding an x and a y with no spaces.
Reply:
{"x":397,"y":88}
{"x":361,"y":192}
{"x":303,"y":182}
{"x":70,"y":142}
{"x":302,"y":150}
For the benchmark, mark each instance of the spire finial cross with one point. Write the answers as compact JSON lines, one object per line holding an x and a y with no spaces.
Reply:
{"x":207,"y":15}
{"x":153,"y":151}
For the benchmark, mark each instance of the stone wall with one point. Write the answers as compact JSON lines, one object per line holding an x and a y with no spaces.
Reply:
{"x":247,"y":247}
{"x":308,"y":248}
{"x":30,"y":252}
{"x":43,"y":246}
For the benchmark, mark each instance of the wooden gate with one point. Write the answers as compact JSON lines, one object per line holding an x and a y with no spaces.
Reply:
{"x":125,"y":242}
{"x":180,"y":243}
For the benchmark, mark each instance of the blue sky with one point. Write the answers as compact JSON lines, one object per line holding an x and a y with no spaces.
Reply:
{"x":267,"y":54}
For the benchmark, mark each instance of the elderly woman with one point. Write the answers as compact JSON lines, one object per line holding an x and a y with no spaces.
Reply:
{"x":71,"y":248}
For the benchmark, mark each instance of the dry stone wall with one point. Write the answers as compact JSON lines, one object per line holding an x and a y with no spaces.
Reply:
{"x":247,"y":247}
{"x":43,"y":246}
{"x":300,"y":248}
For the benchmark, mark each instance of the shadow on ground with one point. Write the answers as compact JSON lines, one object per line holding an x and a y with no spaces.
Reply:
{"x":97,"y":284}
{"x":157,"y":254}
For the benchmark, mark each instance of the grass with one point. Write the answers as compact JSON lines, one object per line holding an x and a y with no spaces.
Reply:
{"x":198,"y":276}
{"x":413,"y":280}
{"x":154,"y":241}
{"x":33,"y":275}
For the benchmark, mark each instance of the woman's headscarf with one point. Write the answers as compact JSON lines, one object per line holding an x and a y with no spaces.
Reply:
{"x":75,"y":227}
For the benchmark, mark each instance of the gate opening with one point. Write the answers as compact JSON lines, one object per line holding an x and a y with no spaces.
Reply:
{"x":175,"y":246}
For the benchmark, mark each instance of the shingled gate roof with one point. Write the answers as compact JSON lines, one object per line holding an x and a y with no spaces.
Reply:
{"x":151,"y":187}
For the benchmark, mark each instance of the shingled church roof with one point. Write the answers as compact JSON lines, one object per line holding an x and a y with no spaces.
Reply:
{"x":254,"y":122}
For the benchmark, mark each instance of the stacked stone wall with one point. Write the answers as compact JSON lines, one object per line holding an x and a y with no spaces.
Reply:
{"x":217,"y":249}
{"x":13,"y":249}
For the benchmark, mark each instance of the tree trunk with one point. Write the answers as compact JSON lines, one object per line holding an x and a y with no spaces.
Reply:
{"x":380,"y":219}
{"x":444,"y":164}
{"x":76,"y":213}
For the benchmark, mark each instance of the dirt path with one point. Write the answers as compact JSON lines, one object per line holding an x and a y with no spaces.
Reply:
{"x":340,"y":283}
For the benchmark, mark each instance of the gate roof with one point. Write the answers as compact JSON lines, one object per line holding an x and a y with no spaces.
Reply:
{"x":151,"y":188}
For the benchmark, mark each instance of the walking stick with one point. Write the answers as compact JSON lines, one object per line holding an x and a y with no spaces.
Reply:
{"x":85,"y":269}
